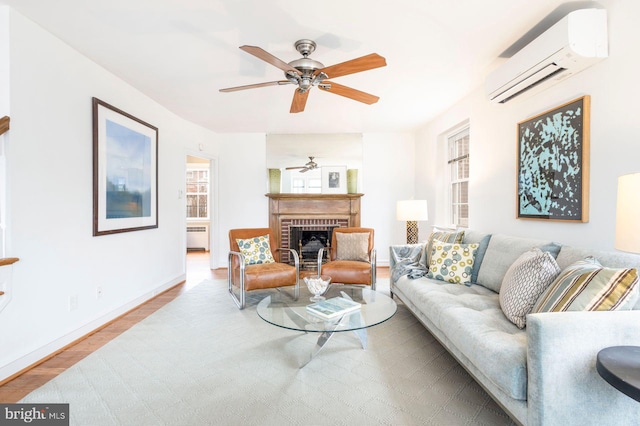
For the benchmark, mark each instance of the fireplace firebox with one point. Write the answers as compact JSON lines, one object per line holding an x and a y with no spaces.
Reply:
{"x":308,"y":242}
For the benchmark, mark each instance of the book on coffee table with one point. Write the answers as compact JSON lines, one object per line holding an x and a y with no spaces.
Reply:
{"x":333,"y":308}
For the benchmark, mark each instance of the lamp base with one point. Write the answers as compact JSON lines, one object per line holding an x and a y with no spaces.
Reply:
{"x":412,"y":232}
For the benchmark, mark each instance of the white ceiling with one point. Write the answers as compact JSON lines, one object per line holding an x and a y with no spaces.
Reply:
{"x":181,"y":52}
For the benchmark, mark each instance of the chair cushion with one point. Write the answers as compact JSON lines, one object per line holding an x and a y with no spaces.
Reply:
{"x":348,"y":272}
{"x":266,"y":275}
{"x":256,"y":250}
{"x":352,"y":246}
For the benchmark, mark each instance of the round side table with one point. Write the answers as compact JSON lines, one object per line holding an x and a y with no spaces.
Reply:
{"x":620,"y":367}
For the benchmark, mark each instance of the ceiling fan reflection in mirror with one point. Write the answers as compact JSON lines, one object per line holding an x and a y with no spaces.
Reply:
{"x":311,"y":165}
{"x":307,"y":73}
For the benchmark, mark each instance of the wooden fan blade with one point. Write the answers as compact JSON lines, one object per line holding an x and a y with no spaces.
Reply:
{"x":293,"y":168}
{"x":254,"y":86}
{"x":348,"y":92}
{"x":269,"y":58}
{"x":363,"y":63}
{"x":299,"y":101}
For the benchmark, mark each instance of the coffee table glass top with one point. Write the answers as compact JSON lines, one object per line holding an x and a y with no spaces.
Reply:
{"x":282,"y":310}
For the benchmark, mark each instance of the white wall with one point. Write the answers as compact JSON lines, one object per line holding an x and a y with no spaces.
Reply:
{"x":615,"y":147}
{"x":387,"y":176}
{"x":49,"y":214}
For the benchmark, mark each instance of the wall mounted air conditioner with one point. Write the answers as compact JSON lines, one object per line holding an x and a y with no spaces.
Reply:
{"x":574,"y":43}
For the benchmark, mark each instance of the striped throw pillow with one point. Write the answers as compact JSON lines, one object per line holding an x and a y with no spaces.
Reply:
{"x":588,"y":286}
{"x":443,"y":236}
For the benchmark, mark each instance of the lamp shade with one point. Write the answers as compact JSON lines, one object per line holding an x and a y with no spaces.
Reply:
{"x":412,"y":210}
{"x":628,"y":213}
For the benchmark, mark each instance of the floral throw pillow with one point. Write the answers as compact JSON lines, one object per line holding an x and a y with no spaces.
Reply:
{"x":452,"y":262}
{"x":256,"y":250}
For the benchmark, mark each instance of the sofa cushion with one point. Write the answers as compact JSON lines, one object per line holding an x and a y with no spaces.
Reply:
{"x":256,"y":250}
{"x":470,"y":237}
{"x":502,"y":251}
{"x":524,"y":282}
{"x":452,"y":262}
{"x":472,"y":320}
{"x":588,"y":286}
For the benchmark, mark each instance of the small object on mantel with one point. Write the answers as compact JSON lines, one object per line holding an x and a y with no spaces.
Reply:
{"x":620,"y":367}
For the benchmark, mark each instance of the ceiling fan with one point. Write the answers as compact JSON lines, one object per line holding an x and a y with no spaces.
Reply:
{"x":307,"y":73}
{"x":309,"y":166}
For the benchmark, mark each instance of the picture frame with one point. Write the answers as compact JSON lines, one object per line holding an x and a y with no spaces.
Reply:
{"x":553,"y":164}
{"x":125,"y":171}
{"x":334,"y":179}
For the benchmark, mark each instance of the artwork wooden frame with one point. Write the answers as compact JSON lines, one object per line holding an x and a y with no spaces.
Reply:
{"x":334,"y":179}
{"x":553,"y":164}
{"x":125,"y":171}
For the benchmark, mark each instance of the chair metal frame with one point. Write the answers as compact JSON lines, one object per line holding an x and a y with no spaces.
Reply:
{"x":241,"y":300}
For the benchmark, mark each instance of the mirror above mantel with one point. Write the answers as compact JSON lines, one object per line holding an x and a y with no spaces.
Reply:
{"x":328,"y":150}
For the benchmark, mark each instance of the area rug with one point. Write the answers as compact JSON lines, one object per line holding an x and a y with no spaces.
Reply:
{"x":201,"y":361}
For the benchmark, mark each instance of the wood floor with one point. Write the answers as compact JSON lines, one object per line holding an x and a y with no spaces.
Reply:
{"x":197,"y":271}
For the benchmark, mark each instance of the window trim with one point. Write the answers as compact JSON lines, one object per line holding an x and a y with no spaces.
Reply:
{"x":457,"y":130}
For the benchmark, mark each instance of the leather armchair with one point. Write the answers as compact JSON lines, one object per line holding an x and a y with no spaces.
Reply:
{"x":349,"y":271}
{"x":246,"y":277}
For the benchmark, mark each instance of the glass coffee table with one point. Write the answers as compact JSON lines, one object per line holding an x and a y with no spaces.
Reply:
{"x":282,"y":310}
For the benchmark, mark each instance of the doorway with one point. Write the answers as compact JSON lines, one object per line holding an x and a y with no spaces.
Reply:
{"x":200,"y":207}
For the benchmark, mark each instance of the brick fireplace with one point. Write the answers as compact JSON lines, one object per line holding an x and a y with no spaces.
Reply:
{"x":303,"y":221}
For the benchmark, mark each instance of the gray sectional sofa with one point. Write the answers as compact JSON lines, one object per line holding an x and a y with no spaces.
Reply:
{"x":544,"y":374}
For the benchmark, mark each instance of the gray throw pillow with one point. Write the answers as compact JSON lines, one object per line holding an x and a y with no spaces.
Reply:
{"x":526,"y":279}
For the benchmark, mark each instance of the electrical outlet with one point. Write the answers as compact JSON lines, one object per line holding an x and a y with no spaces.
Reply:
{"x":98,"y":292}
{"x":73,"y":302}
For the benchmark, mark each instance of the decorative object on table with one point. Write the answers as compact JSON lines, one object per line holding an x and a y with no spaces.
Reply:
{"x":352,"y":181}
{"x":274,"y":181}
{"x":334,"y":180}
{"x":306,"y":73}
{"x":317,"y":286}
{"x":333,"y":308}
{"x":412,"y":211}
{"x":628,"y":206}
{"x":553,"y":164}
{"x":125,"y":171}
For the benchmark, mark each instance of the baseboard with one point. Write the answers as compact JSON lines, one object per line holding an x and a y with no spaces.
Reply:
{"x":19,"y":366}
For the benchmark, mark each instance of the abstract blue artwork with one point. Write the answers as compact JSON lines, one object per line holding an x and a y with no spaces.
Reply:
{"x":553,"y":164}
{"x":125,"y":171}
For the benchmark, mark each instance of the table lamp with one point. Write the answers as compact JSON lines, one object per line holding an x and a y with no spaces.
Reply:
{"x":412,"y":211}
{"x":628,"y":206}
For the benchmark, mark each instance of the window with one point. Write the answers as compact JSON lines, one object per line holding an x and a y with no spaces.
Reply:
{"x":198,"y":193}
{"x":458,"y":162}
{"x":306,"y":185}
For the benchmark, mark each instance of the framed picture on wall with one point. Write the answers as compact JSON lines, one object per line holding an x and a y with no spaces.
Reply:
{"x":125,"y":171}
{"x":553,"y":164}
{"x":334,"y":179}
